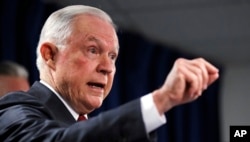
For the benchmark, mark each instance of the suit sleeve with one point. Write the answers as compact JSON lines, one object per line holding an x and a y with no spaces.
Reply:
{"x":31,"y":121}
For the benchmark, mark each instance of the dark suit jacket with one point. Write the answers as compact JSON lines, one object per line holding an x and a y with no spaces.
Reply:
{"x":38,"y":115}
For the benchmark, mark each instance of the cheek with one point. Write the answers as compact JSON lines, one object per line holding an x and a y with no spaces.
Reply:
{"x":73,"y":67}
{"x":68,"y":59}
{"x":109,"y":85}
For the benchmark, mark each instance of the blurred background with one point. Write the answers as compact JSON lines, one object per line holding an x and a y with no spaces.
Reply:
{"x":152,"y":35}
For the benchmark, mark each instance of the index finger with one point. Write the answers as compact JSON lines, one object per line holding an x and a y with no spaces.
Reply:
{"x":211,"y":69}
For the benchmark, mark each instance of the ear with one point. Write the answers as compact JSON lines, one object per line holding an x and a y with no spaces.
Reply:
{"x":49,"y":52}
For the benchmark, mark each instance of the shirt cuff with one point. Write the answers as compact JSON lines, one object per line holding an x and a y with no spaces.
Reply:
{"x":151,"y":117}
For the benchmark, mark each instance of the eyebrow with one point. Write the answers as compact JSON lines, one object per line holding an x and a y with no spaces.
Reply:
{"x":93,"y":38}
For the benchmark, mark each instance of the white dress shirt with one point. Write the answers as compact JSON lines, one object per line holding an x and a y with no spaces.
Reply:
{"x":151,"y":117}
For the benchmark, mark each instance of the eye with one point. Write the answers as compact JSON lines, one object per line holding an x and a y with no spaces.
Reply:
{"x":93,"y":50}
{"x":113,"y":56}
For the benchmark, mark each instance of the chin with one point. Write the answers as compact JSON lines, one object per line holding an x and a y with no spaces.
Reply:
{"x":96,"y":102}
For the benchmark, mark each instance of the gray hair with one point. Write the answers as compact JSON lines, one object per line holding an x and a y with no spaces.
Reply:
{"x":9,"y":68}
{"x":58,"y":28}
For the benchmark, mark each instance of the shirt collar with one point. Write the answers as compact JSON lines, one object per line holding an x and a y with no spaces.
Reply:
{"x":73,"y":112}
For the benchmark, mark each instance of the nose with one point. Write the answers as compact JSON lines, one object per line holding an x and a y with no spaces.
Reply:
{"x":106,"y":65}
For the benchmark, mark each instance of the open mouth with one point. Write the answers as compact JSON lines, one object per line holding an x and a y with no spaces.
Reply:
{"x":96,"y":85}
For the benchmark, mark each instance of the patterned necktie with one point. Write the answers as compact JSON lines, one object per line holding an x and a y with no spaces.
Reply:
{"x":81,"y":117}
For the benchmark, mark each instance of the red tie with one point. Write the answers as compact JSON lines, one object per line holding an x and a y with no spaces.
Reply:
{"x":81,"y":117}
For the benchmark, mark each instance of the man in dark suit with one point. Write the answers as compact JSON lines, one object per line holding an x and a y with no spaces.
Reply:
{"x":77,"y":51}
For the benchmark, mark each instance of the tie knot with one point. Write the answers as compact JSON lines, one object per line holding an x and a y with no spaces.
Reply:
{"x":81,"y":117}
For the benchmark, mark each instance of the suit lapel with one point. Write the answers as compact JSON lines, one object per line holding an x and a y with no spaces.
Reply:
{"x":52,"y":102}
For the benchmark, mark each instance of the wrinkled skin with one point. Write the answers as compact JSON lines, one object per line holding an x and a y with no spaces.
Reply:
{"x":83,"y":72}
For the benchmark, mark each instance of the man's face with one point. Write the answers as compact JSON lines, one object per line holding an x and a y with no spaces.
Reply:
{"x":85,"y":68}
{"x":12,"y":83}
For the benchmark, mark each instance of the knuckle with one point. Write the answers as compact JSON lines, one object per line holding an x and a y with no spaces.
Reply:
{"x":200,"y":59}
{"x":180,"y":60}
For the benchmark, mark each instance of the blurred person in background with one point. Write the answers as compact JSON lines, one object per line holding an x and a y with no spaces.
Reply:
{"x":13,"y":77}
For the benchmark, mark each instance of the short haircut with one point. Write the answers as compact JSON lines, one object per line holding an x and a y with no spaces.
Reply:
{"x":58,"y":26}
{"x":9,"y":68}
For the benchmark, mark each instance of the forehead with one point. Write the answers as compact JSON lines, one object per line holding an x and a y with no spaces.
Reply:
{"x":94,"y":26}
